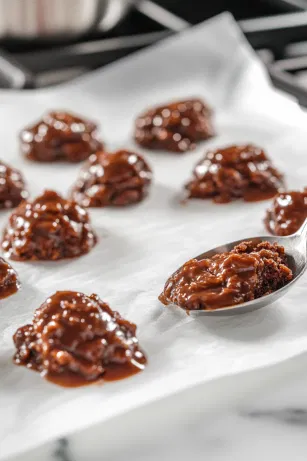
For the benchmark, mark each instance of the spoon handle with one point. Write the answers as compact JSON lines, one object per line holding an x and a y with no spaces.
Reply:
{"x":302,"y":232}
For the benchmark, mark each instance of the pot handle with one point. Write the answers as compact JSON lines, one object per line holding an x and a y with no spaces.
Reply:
{"x":13,"y":74}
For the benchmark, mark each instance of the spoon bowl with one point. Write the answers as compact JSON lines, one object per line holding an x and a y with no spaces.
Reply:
{"x":295,"y":249}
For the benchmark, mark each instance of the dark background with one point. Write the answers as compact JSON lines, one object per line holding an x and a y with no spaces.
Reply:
{"x":197,"y":10}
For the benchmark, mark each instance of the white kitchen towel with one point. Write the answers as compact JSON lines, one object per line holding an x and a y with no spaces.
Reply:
{"x":139,"y":247}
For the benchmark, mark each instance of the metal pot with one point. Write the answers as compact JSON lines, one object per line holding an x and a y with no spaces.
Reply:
{"x":57,"y":19}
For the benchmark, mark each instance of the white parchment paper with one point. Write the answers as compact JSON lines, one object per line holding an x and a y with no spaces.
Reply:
{"x":140,"y":246}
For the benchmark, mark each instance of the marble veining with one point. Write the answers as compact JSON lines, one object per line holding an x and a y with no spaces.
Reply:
{"x":61,"y":452}
{"x":285,"y":415}
{"x":259,"y":415}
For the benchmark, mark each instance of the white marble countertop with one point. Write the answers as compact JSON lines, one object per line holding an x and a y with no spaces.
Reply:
{"x":259,"y":415}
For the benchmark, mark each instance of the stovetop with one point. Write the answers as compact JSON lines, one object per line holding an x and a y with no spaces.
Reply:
{"x":277,"y":29}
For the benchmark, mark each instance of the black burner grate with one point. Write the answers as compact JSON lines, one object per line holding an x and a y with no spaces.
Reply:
{"x":280,"y":40}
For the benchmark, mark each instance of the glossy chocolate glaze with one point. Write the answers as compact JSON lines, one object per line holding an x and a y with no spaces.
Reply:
{"x":59,"y":136}
{"x":112,"y":179}
{"x":175,"y":127}
{"x":48,"y":228}
{"x":236,"y":172}
{"x":76,"y":340}
{"x":9,"y":282}
{"x":247,"y":272}
{"x":287,"y":212}
{"x":12,"y":187}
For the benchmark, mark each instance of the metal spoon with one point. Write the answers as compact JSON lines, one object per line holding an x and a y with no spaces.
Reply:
{"x":295,"y":247}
